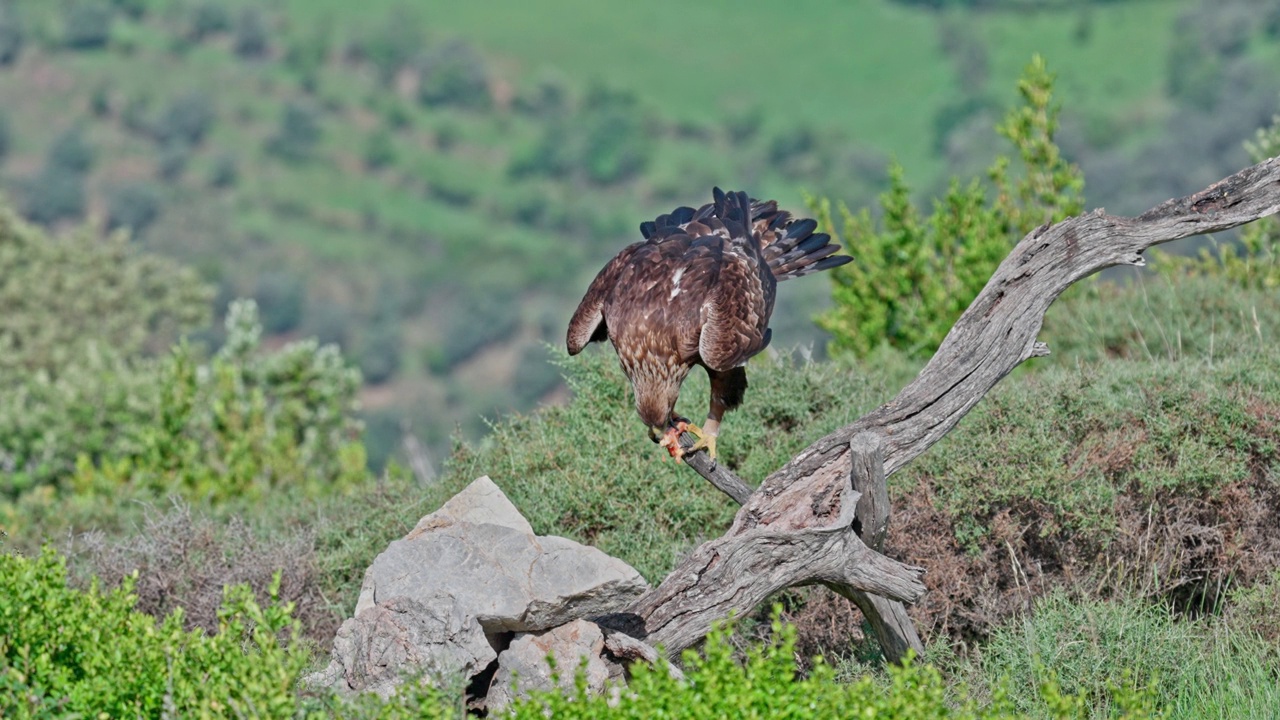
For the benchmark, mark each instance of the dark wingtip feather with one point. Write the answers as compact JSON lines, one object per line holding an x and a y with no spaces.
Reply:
{"x":796,"y":260}
{"x":800,"y":228}
{"x":832,"y":262}
{"x":648,"y":228}
{"x":813,"y":242}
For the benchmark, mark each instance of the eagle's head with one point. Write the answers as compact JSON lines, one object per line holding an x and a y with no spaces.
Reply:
{"x":656,"y":388}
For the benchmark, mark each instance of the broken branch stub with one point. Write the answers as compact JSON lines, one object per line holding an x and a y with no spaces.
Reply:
{"x":797,"y":527}
{"x":888,"y":618}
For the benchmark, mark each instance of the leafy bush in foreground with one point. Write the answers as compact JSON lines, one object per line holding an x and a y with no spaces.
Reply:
{"x":64,"y":652}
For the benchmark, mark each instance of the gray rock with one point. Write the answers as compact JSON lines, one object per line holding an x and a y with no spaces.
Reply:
{"x":468,"y":574}
{"x":523,"y":666}
{"x":374,"y":651}
{"x":480,"y":503}
{"x":505,"y":576}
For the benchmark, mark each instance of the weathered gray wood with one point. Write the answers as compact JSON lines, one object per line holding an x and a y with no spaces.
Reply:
{"x":720,"y":477}
{"x":889,"y":620}
{"x":788,"y":531}
{"x":867,"y":475}
{"x":810,"y":539}
{"x":894,"y":629}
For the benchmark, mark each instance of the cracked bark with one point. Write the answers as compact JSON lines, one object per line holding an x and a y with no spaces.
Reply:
{"x":798,"y":527}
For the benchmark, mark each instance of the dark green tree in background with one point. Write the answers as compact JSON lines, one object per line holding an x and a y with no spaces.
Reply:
{"x":12,"y":35}
{"x":298,"y":135}
{"x":914,"y":274}
{"x":86,"y":24}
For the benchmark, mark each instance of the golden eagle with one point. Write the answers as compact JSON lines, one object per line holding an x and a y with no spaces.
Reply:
{"x":698,"y":290}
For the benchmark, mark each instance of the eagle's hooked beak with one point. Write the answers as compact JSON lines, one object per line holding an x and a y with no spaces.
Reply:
{"x":655,"y":434}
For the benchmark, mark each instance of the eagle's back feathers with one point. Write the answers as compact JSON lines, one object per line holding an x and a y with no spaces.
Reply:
{"x":698,"y":290}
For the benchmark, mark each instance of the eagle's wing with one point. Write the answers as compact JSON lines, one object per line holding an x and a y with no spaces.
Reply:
{"x":735,"y":312}
{"x":587,"y":324}
{"x":735,"y":315}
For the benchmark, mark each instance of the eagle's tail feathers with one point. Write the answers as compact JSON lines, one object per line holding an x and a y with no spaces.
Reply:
{"x":798,"y":251}
{"x":824,"y":264}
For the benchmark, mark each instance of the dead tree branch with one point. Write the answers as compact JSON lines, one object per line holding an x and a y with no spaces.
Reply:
{"x":799,"y":527}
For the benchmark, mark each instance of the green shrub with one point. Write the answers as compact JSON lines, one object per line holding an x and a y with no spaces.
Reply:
{"x":453,"y":74}
{"x":913,"y":276}
{"x":133,"y":207}
{"x":245,"y":423}
{"x":12,"y":36}
{"x":65,"y":652}
{"x":298,"y":135}
{"x":307,"y":53}
{"x":252,"y":36}
{"x":210,"y":17}
{"x":186,"y":120}
{"x":136,"y":9}
{"x":241,"y":425}
{"x":70,"y":151}
{"x":390,"y":47}
{"x":225,"y":171}
{"x":379,"y":150}
{"x":1061,"y":447}
{"x":54,"y":195}
{"x":80,"y":314}
{"x":124,"y":301}
{"x":86,"y":24}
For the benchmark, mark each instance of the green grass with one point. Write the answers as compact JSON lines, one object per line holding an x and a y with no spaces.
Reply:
{"x":1194,"y":668}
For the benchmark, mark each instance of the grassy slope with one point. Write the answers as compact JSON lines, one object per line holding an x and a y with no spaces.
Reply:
{"x":1156,"y":398}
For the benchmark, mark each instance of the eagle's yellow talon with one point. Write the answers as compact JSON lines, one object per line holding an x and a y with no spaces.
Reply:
{"x":708,"y":443}
{"x":705,"y":442}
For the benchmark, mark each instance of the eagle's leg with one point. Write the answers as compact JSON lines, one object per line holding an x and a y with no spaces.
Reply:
{"x":727,"y":390}
{"x":706,"y":438}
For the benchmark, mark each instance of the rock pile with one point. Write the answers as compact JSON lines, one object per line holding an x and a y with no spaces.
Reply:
{"x":471,"y":591}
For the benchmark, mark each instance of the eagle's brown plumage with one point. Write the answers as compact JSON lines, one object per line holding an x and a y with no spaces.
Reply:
{"x":698,"y":290}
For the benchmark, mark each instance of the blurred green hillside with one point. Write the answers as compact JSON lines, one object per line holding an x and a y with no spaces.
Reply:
{"x":432,"y":185}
